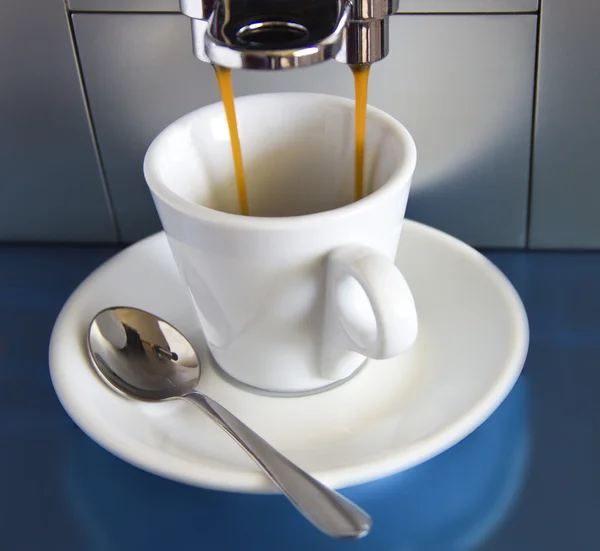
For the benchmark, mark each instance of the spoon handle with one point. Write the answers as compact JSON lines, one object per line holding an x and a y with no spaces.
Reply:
{"x":328,"y":510}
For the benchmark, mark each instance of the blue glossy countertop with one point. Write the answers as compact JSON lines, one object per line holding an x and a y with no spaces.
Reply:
{"x":526,"y":480}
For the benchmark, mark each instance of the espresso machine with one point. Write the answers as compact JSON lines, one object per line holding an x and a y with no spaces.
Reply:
{"x":459,"y":74}
{"x":285,"y":34}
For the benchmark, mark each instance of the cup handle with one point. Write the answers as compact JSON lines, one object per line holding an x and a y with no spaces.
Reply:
{"x":369,"y":311}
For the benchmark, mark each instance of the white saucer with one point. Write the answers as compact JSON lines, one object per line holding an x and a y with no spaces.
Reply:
{"x":393,"y":415}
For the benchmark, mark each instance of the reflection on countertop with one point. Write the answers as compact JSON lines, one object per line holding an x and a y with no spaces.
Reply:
{"x":452,"y":502}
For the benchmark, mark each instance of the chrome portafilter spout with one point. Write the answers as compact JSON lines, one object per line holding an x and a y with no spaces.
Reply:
{"x":366,"y":33}
{"x":285,"y":34}
{"x":266,"y":34}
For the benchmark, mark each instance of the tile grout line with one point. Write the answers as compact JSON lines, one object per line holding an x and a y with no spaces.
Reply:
{"x":177,"y":12}
{"x":533,"y":127}
{"x":92,"y":129}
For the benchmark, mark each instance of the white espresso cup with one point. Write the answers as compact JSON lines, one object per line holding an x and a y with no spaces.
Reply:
{"x":295,"y":297}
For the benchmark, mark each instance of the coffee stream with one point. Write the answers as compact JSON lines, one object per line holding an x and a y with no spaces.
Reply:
{"x":226,"y":89}
{"x":361,"y":85}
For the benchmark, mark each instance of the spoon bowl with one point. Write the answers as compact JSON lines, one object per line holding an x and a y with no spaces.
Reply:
{"x":142,"y":356}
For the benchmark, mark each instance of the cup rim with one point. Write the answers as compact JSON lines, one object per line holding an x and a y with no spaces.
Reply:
{"x":401,"y":176}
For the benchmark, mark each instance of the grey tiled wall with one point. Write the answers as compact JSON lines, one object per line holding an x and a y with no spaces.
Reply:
{"x":565,"y":208}
{"x":51,"y":188}
{"x":469,"y":109}
{"x":460,"y":75}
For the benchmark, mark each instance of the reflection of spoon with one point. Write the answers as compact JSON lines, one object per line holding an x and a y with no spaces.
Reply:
{"x":143,"y":357}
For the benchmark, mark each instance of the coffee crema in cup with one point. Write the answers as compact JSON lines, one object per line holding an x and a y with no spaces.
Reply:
{"x":361,"y":86}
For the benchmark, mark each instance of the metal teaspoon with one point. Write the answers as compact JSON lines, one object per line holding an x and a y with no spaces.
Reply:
{"x":144,"y":358}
